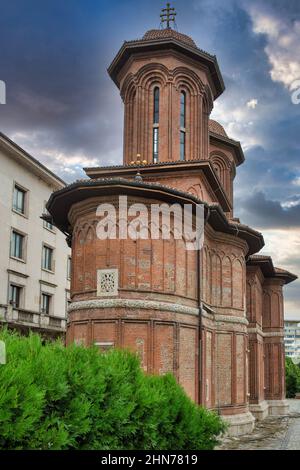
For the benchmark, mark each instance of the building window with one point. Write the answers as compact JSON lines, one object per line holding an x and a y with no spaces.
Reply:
{"x":17,"y":245}
{"x":156,"y":106}
{"x":47,"y":258}
{"x":19,"y":200}
{"x":46,"y":303}
{"x":69,"y":267}
{"x":182,"y":124}
{"x":155,"y":144}
{"x":47,"y":225}
{"x":155,"y":124}
{"x":15,"y":293}
{"x":182,"y":145}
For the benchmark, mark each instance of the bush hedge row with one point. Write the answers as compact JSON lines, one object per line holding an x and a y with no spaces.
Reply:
{"x":53,"y":397}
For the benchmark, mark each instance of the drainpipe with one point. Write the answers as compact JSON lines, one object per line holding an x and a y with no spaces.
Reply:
{"x":200,"y":352}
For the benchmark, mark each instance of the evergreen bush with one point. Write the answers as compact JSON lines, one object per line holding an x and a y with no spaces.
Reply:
{"x":52,"y":397}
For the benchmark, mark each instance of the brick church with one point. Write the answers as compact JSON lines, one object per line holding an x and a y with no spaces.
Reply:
{"x":213,"y":317}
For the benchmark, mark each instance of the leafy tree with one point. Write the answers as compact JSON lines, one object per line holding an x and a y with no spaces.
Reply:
{"x":292,"y":378}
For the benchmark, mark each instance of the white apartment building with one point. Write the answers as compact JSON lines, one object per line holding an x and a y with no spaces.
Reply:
{"x":292,"y":339}
{"x":35,"y":260}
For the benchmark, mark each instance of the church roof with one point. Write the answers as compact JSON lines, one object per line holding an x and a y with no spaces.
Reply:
{"x":265,"y":263}
{"x":216,"y":128}
{"x":163,"y":167}
{"x":61,"y":201}
{"x":168,"y":33}
{"x":217,"y":132}
{"x":161,"y":39}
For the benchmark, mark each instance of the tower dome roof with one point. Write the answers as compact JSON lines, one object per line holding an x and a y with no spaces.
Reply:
{"x":217,"y":128}
{"x":168,"y":33}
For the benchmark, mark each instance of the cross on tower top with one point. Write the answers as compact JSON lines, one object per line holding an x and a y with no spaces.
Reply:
{"x":168,"y":14}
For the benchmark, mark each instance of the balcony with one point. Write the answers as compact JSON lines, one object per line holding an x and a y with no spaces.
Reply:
{"x":25,"y":320}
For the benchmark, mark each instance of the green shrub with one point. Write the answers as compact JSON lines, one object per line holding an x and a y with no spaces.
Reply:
{"x":52,"y":397}
{"x":292,"y":378}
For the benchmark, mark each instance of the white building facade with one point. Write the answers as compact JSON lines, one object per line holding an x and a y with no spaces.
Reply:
{"x":35,"y":263}
{"x":292,"y":339}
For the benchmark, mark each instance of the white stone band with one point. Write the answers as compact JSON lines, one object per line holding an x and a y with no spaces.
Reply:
{"x":265,"y":334}
{"x":151,"y":305}
{"x":134,"y":304}
{"x":220,"y":318}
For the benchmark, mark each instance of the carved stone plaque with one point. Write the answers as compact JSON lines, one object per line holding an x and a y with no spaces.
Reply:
{"x":107,"y":282}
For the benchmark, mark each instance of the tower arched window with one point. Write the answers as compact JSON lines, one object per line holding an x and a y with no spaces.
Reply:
{"x":182,"y":124}
{"x":155,"y":124}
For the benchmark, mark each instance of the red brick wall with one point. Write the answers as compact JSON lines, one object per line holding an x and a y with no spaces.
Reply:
{"x":255,"y":280}
{"x":273,"y":322}
{"x":149,"y":270}
{"x":224,"y":338}
{"x":161,"y":266}
{"x":266,"y":343}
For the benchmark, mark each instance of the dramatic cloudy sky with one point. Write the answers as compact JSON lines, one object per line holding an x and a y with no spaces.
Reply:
{"x":63,"y":108}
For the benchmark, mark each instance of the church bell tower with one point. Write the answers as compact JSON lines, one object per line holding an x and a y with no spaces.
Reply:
{"x":168,"y":86}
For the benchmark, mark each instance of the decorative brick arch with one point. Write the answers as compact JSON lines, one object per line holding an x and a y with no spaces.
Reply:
{"x":238,"y":277}
{"x":216,"y":279}
{"x":137,"y":94}
{"x":224,"y":170}
{"x":186,"y":79}
{"x":196,"y":190}
{"x":266,"y":309}
{"x":227,"y":281}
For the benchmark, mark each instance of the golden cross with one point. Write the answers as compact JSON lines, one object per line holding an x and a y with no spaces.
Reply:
{"x":138,"y":161}
{"x":168,"y":15}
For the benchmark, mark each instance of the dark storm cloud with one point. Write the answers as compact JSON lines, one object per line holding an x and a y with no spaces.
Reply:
{"x":264,"y":213}
{"x":272,"y":170}
{"x":58,"y":92}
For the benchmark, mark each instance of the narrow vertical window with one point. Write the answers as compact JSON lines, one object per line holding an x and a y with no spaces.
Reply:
{"x":46,"y":303}
{"x":182,"y":145}
{"x":15,"y":295}
{"x":182,"y":109}
{"x":19,"y":200}
{"x":155,"y":144}
{"x":47,"y":258}
{"x":156,"y":106}
{"x":47,"y":225}
{"x":182,"y":124}
{"x":155,"y":124}
{"x":17,"y":245}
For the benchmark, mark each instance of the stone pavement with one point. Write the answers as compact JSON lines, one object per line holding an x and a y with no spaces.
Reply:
{"x":274,"y":433}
